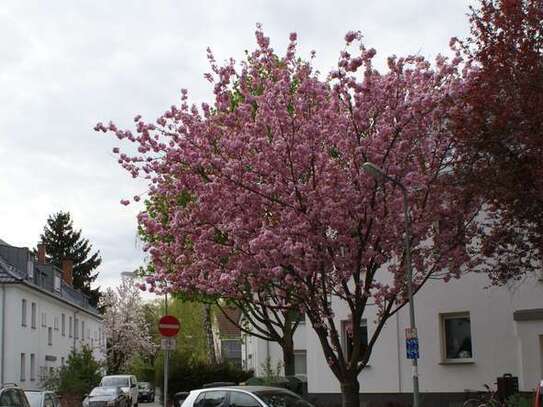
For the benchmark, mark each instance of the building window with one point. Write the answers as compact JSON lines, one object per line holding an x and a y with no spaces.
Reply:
{"x":76,"y":328}
{"x":43,"y":319}
{"x":62,"y":361}
{"x":23,"y":367}
{"x":50,"y":336}
{"x":33,"y":315}
{"x":55,"y":323}
{"x":32,"y":367}
{"x":30,"y":269}
{"x":300,"y":362}
{"x":231,"y":351}
{"x":63,"y":324}
{"x":346,"y":335}
{"x":82,"y":330}
{"x":57,"y":283}
{"x":43,"y":373}
{"x":456,"y":337}
{"x":70,"y":328}
{"x":23,"y":313}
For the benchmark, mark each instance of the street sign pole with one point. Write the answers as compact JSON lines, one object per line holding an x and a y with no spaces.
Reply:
{"x":166,"y":360}
{"x":168,"y":327}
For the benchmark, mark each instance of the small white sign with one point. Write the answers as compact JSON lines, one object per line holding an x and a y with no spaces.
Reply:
{"x":167,"y":343}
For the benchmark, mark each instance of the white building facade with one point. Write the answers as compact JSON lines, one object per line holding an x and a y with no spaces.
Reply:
{"x":469,"y":335}
{"x":42,"y":318}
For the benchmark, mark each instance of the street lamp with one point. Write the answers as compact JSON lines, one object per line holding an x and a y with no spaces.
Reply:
{"x":379,"y":174}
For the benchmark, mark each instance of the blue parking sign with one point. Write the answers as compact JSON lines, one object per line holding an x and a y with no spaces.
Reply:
{"x":412,"y":348}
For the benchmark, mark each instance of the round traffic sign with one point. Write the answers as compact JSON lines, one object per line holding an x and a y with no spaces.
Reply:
{"x":168,"y":325}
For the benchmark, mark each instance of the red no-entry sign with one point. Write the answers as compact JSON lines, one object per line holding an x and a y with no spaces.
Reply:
{"x":168,"y":325}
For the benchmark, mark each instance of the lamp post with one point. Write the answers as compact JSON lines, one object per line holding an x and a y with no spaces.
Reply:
{"x":378,"y":173}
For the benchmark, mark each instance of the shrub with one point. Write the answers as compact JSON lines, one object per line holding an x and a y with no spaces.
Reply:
{"x":78,"y":377}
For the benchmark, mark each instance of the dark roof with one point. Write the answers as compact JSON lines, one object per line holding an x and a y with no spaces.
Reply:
{"x":8,"y":273}
{"x":14,"y":266}
{"x":227,"y":328}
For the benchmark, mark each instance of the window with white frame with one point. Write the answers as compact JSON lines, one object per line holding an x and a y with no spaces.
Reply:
{"x":43,"y":319}
{"x":57,"y":283}
{"x":63,"y":324}
{"x":82,"y":330}
{"x":50,"y":336}
{"x":43,"y":373}
{"x":30,"y":269}
{"x":23,"y":367}
{"x":456,"y":337}
{"x":76,"y":328}
{"x":346,"y":335}
{"x":33,"y":315}
{"x":23,"y":312}
{"x":70,"y":327}
{"x":300,"y":362}
{"x":55,"y":323}
{"x":32,"y":366}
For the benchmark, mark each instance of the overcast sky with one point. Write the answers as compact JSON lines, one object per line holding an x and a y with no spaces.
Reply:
{"x":64,"y":65}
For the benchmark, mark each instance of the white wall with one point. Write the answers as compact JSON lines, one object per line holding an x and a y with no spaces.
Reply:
{"x":500,"y":344}
{"x":29,"y":340}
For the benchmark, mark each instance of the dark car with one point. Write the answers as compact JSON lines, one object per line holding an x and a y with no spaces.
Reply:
{"x":146,"y":392}
{"x":107,"y":396}
{"x":13,"y":396}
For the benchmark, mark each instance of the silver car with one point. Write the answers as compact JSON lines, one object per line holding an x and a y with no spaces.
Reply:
{"x":244,"y":396}
{"x":38,"y":398}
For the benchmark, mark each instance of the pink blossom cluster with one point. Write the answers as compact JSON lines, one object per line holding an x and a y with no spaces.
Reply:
{"x":264,"y":188}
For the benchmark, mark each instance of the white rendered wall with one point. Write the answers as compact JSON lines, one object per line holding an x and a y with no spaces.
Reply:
{"x":500,"y":344}
{"x":29,"y":340}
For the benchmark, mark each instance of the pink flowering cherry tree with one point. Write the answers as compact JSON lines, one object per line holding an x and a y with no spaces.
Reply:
{"x":264,"y":188}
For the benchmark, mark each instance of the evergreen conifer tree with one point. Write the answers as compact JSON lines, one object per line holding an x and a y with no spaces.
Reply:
{"x":62,"y":241}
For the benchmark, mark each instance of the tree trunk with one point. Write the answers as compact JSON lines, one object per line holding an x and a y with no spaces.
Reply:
{"x":208,"y":331}
{"x":350,"y":393}
{"x":288,"y":355}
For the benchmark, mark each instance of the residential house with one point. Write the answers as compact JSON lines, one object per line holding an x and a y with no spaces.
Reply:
{"x":42,"y":317}
{"x":470,"y":334}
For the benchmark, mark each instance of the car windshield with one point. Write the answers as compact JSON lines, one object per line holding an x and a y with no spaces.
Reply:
{"x":144,"y":386}
{"x":103,"y":391}
{"x":279,"y":398}
{"x":115,"y":381}
{"x":34,"y":398}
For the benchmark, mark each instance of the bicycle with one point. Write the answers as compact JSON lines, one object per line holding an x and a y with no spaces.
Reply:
{"x":486,"y":398}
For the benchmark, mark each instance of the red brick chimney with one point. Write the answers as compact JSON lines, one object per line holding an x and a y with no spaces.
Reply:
{"x":68,"y":268}
{"x":41,"y":253}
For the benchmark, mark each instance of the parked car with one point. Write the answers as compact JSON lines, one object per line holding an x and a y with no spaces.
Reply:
{"x":146,"y":392}
{"x":13,"y":396}
{"x":128,"y":383}
{"x":179,"y":398}
{"x":107,"y":396}
{"x":538,"y":401}
{"x":246,"y":396}
{"x":38,"y":398}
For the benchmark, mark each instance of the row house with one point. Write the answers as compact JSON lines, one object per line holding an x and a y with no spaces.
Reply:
{"x":42,"y":317}
{"x":470,"y":334}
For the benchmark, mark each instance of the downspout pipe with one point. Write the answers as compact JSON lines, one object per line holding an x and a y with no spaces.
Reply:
{"x":3,"y":334}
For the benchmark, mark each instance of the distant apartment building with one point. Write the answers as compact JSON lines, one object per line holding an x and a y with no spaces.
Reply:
{"x":42,"y":317}
{"x":470,"y":333}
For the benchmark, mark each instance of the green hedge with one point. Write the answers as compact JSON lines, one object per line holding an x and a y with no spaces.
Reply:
{"x":185,"y":375}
